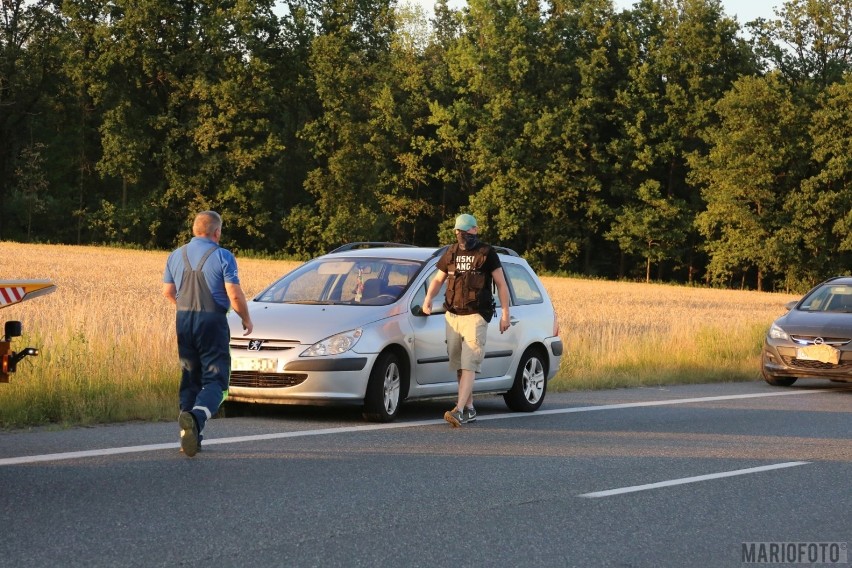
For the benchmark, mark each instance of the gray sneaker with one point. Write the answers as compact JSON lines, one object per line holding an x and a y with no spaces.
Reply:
{"x":469,"y":414}
{"x":455,"y":417}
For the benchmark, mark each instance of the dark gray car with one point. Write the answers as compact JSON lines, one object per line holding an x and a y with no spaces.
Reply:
{"x":814,"y":339}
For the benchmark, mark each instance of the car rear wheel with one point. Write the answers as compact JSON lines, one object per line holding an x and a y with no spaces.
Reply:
{"x":528,"y":390}
{"x":381,"y":404}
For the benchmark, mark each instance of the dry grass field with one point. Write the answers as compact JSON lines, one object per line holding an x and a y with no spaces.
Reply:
{"x":108,"y":353}
{"x":630,"y":334}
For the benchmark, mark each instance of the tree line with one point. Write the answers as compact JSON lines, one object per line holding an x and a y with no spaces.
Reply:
{"x":663,"y":142}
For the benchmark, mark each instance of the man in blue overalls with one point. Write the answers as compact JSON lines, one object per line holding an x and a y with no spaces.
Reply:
{"x":201,"y":280}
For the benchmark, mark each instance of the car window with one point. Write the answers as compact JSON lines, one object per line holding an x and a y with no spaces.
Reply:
{"x":522,"y":285}
{"x":343,"y":281}
{"x":829,"y":298}
{"x":400,"y":274}
{"x":420,"y":294}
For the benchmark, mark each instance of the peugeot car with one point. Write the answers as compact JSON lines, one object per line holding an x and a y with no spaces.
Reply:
{"x":348,"y":328}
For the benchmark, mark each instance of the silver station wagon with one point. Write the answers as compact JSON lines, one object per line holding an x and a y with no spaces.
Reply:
{"x":347,"y":327}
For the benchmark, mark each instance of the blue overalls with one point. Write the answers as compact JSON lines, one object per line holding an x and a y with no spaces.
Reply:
{"x":203,"y":344}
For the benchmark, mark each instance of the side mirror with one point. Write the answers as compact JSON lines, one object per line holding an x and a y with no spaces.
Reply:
{"x":790,"y":305}
{"x":12,"y":329}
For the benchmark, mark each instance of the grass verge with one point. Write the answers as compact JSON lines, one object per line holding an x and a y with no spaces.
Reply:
{"x":108,"y":350}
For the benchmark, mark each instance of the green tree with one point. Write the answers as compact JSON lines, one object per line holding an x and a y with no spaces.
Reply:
{"x":399,"y":123}
{"x":809,"y":42}
{"x":86,"y":24}
{"x":655,"y":227}
{"x":347,"y":62}
{"x":493,"y":68}
{"x":522,"y":136}
{"x":31,"y":183}
{"x":30,"y":35}
{"x":758,"y":158}
{"x":821,"y":208}
{"x":686,"y":55}
{"x":437,"y":141}
{"x":188,"y":101}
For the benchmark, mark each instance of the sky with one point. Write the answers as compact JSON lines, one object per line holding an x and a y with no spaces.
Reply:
{"x":744,"y":10}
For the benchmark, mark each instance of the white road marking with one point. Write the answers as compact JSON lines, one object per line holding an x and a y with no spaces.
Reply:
{"x":681,"y":401}
{"x":370,"y":427}
{"x":695,"y":479}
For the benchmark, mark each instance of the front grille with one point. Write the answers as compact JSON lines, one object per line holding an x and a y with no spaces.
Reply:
{"x":268,"y":344}
{"x":806,"y":364}
{"x":809,"y":340}
{"x":259,"y":380}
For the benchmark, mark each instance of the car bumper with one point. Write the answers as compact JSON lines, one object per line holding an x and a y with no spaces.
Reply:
{"x":780,"y":360}
{"x":302,"y":380}
{"x":554,"y":352}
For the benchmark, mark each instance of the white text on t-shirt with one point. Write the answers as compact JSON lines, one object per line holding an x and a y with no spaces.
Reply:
{"x":464,"y":263}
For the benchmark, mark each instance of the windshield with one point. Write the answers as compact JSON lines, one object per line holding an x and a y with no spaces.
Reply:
{"x":351,"y":281}
{"x":829,"y":298}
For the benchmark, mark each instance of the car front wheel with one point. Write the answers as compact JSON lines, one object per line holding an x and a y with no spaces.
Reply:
{"x":779,"y":381}
{"x":528,"y":390}
{"x":775,"y":381}
{"x":381,"y":404}
{"x":231,"y":409}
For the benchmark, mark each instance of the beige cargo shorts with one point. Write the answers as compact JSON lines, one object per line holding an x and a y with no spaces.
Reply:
{"x":466,"y":341}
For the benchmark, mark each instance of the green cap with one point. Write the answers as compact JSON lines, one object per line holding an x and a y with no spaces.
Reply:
{"x":465,"y":222}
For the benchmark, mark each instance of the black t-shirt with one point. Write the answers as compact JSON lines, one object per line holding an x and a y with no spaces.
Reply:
{"x":472,"y":268}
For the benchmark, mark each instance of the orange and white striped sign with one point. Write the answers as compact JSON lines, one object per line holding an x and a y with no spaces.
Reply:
{"x":14,"y":291}
{"x":11,"y":295}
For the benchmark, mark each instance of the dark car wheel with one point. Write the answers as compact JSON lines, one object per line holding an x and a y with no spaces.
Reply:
{"x":231,"y":409}
{"x":776,"y":381}
{"x":528,"y":390}
{"x":381,"y":404}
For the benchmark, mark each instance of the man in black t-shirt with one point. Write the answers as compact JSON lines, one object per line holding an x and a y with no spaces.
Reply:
{"x":471,"y":267}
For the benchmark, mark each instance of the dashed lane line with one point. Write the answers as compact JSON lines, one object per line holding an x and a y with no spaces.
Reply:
{"x":685,"y":480}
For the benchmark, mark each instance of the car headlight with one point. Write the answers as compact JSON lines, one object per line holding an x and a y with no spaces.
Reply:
{"x":775,"y":332}
{"x":334,"y":345}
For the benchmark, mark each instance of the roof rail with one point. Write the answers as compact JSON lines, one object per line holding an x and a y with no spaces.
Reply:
{"x":500,"y":249}
{"x":506,"y":250}
{"x":440,"y":251}
{"x":369,"y":244}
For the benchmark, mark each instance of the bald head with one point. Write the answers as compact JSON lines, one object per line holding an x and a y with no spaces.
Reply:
{"x":207,"y":224}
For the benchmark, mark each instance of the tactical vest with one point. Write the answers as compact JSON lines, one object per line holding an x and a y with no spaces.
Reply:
{"x":467,"y":292}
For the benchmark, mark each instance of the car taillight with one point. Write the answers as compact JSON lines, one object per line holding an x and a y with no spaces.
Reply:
{"x":555,"y":325}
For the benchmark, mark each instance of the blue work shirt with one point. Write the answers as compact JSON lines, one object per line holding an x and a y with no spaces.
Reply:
{"x":219,"y":269}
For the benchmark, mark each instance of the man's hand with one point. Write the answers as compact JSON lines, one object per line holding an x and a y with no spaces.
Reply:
{"x":247,"y":326}
{"x":434,"y":286}
{"x":503,"y":294}
{"x":170,"y":292}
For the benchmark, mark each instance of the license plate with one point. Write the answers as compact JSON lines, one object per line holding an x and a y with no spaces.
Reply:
{"x":822,"y":353}
{"x":249,"y":364}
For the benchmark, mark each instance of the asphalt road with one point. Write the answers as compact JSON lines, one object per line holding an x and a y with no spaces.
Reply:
{"x":676,"y":476}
